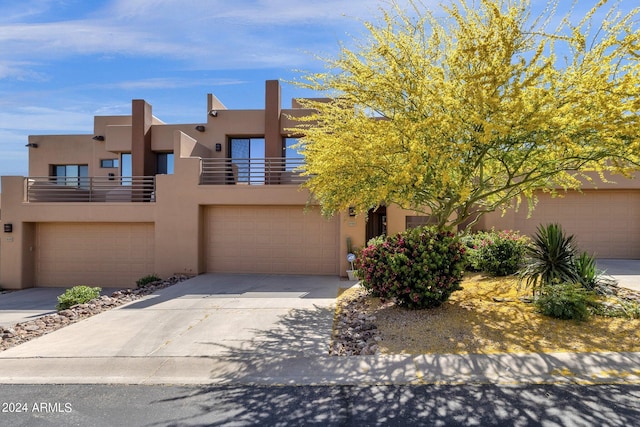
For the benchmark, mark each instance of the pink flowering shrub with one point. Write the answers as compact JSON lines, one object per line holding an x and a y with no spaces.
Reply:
{"x":418,"y":268}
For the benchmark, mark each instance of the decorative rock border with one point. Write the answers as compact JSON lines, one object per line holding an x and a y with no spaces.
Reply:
{"x":25,"y":331}
{"x":354,"y":332}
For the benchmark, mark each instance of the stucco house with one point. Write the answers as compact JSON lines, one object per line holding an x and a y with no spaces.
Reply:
{"x":137,"y":196}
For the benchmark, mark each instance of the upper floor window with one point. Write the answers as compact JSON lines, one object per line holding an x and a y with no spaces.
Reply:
{"x":293,"y":157}
{"x":109,"y":163}
{"x":126,"y":168}
{"x":71,"y":175}
{"x":247,"y":154}
{"x":164,"y":163}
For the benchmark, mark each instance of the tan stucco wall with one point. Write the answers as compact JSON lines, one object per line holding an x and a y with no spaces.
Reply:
{"x":67,"y":150}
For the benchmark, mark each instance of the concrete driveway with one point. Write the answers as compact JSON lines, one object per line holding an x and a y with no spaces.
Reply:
{"x":220,"y":323}
{"x":625,"y":271}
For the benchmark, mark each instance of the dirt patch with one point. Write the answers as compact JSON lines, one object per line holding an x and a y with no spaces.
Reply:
{"x":488,"y":316}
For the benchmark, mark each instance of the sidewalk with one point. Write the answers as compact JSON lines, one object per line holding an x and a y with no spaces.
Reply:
{"x":551,"y":368}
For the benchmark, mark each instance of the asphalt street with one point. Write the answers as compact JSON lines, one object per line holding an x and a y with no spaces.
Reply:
{"x":464,"y":405}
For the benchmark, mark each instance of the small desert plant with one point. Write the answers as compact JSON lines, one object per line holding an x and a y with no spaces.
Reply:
{"x":77,"y":295}
{"x":144,"y":281}
{"x":617,"y":308}
{"x":565,"y":301}
{"x":418,"y":268}
{"x":590,"y":276}
{"x":550,"y":259}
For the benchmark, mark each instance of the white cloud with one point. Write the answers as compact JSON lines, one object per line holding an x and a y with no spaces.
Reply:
{"x":15,"y":11}
{"x":201,"y":34}
{"x":247,"y":12}
{"x":20,"y":70}
{"x":69,"y":38}
{"x":167,"y":83}
{"x":44,"y":119}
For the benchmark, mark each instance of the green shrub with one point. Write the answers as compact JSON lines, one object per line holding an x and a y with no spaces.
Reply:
{"x":144,"y":281}
{"x":473,"y":243}
{"x":565,"y":301}
{"x":550,"y":259}
{"x":501,"y":253}
{"x":418,"y":268}
{"x":77,"y":295}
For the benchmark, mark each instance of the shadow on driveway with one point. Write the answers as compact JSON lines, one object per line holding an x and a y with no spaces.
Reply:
{"x":247,"y":286}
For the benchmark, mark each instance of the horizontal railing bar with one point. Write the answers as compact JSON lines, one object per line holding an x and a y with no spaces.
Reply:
{"x":90,"y":189}
{"x":252,"y":171}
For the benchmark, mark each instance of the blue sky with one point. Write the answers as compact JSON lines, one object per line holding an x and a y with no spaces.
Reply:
{"x":64,"y":61}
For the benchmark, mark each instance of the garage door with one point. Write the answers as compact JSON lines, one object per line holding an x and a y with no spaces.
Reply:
{"x":97,"y":254}
{"x":605,"y":223}
{"x":270,"y":239}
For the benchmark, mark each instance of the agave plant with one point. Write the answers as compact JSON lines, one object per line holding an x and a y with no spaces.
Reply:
{"x":590,"y":277}
{"x":550,"y":259}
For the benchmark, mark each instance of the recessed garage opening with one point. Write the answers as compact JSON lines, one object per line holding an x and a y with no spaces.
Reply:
{"x":94,"y":254}
{"x":270,"y":239}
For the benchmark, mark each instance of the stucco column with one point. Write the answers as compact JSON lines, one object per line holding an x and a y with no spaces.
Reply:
{"x":272,"y":108}
{"x":142,"y":160}
{"x":272,"y":136}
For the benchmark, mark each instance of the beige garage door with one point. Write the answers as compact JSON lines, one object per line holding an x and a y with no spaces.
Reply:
{"x":605,"y":223}
{"x":97,"y":254}
{"x":269,"y":239}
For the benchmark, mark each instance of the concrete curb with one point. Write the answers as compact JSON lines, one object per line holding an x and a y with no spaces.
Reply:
{"x":550,"y":368}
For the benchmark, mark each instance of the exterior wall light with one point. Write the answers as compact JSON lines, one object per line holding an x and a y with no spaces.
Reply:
{"x":32,"y":145}
{"x":218,"y":147}
{"x":213,"y":113}
{"x":98,"y":138}
{"x":200,"y":128}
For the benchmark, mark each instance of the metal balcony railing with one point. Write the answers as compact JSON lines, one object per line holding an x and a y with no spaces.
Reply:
{"x":90,"y":189}
{"x":253,"y":171}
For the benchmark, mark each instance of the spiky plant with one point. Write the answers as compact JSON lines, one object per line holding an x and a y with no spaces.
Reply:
{"x":592,"y":278}
{"x":550,"y":259}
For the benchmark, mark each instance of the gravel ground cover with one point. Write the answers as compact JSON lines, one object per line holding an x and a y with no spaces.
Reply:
{"x":487,"y":316}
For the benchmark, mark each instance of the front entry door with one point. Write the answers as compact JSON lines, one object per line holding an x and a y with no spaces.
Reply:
{"x":376,"y":222}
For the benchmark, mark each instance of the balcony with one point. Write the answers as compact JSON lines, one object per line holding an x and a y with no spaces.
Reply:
{"x":252,"y":171}
{"x":90,"y":189}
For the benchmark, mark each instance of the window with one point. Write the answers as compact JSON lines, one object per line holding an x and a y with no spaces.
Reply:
{"x":248,"y":156}
{"x":418,"y":221}
{"x":109,"y":163}
{"x":71,"y":175}
{"x":125,"y":168}
{"x":164,"y":163}
{"x":293,"y":158}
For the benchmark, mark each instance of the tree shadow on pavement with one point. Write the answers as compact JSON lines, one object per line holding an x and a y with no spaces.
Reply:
{"x":602,"y":405}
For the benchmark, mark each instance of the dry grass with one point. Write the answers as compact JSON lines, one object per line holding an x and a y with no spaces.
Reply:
{"x":472,"y":321}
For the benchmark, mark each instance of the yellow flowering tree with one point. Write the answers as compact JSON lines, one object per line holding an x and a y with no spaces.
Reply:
{"x":464,"y":112}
